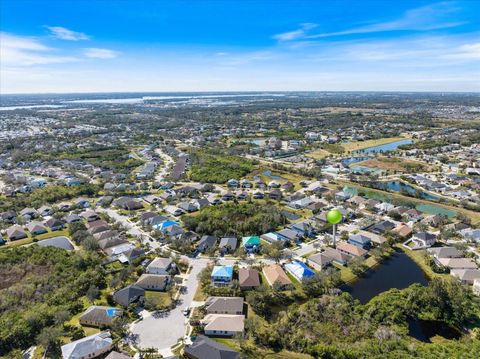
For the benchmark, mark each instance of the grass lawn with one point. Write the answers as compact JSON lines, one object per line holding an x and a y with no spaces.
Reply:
{"x":199,"y":296}
{"x":318,"y":154}
{"x":360,"y":145}
{"x":396,"y":164}
{"x":62,"y":233}
{"x":295,"y":282}
{"x":263,"y":353}
{"x":160,"y":298}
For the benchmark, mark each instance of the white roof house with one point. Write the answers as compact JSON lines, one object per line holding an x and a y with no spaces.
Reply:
{"x":88,"y":347}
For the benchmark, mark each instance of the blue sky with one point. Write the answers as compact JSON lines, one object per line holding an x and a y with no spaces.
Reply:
{"x":92,"y":46}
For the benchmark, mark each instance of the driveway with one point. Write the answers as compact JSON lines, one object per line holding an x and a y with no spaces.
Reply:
{"x":164,"y":332}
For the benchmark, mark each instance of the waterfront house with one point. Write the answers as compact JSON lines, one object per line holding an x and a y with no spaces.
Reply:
{"x":360,"y":240}
{"x":351,"y":249}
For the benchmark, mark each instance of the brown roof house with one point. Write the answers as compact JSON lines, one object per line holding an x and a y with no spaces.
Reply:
{"x":248,"y":278}
{"x":36,"y":228}
{"x":351,"y":249}
{"x":275,"y":274}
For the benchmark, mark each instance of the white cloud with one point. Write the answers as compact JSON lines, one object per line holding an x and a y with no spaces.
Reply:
{"x":430,"y":17}
{"x":27,"y":51}
{"x":97,"y":53}
{"x":295,"y":34}
{"x":66,"y":34}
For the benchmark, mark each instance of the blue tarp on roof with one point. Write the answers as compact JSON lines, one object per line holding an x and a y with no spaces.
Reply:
{"x":299,"y":270}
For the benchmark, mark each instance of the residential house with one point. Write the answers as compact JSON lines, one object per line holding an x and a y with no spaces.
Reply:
{"x":251,"y":244}
{"x":16,"y":232}
{"x":291,"y":235}
{"x":29,"y":213}
{"x":233,"y":183}
{"x":274,"y":273}
{"x":199,"y":203}
{"x":227,"y":245}
{"x":128,"y":295}
{"x":131,"y":254}
{"x":99,"y":316}
{"x":223,"y":324}
{"x":45,"y":211}
{"x":206,"y":243}
{"x":161,"y":266}
{"x":187,"y":207}
{"x":173,"y":210}
{"x":381,"y":227}
{"x":72,"y":218}
{"x":273,"y":237}
{"x":424,"y":239}
{"x":352,"y":250}
{"x":275,"y":194}
{"x":89,"y":347}
{"x":466,"y":276}
{"x":360,"y":240}
{"x":90,"y":216}
{"x":319,"y":261}
{"x":158,"y":282}
{"x":224,"y":305}
{"x":299,"y":270}
{"x":55,"y":224}
{"x":222,"y":275}
{"x":304,"y":228}
{"x":206,"y":348}
{"x":152,"y":199}
{"x":457,"y":263}
{"x":36,"y":228}
{"x":248,"y":278}
{"x":403,"y":230}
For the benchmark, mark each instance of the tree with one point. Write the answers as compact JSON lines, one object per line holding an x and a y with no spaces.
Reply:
{"x":92,"y":293}
{"x":49,"y":338}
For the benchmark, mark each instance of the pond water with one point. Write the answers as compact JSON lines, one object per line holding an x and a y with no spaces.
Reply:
{"x":397,"y":186}
{"x":268,"y":173}
{"x":433,"y":209}
{"x":423,"y":330}
{"x":399,"y":271}
{"x":392,"y":146}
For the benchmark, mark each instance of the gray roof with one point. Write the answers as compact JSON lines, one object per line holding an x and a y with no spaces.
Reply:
{"x":128,"y":295}
{"x":206,"y":348}
{"x":100,"y":314}
{"x":88,"y":345}
{"x":224,"y":304}
{"x":445,"y":252}
{"x":228,"y":242}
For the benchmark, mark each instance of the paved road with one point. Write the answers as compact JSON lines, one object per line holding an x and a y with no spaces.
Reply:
{"x":168,"y":160}
{"x":131,"y":227}
{"x":162,"y":333}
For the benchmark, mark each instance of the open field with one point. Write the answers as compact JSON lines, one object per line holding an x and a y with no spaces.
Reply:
{"x":360,"y":145}
{"x":396,"y":164}
{"x":318,"y":154}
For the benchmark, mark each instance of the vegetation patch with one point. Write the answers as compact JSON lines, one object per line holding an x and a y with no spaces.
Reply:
{"x":238,"y":219}
{"x":217,"y":168}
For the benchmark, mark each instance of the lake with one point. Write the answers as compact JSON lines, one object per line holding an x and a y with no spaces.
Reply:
{"x":392,"y":146}
{"x":400,"y":187}
{"x":268,"y":173}
{"x":399,"y":271}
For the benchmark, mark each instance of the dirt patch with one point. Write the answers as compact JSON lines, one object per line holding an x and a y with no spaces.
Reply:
{"x":13,"y":275}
